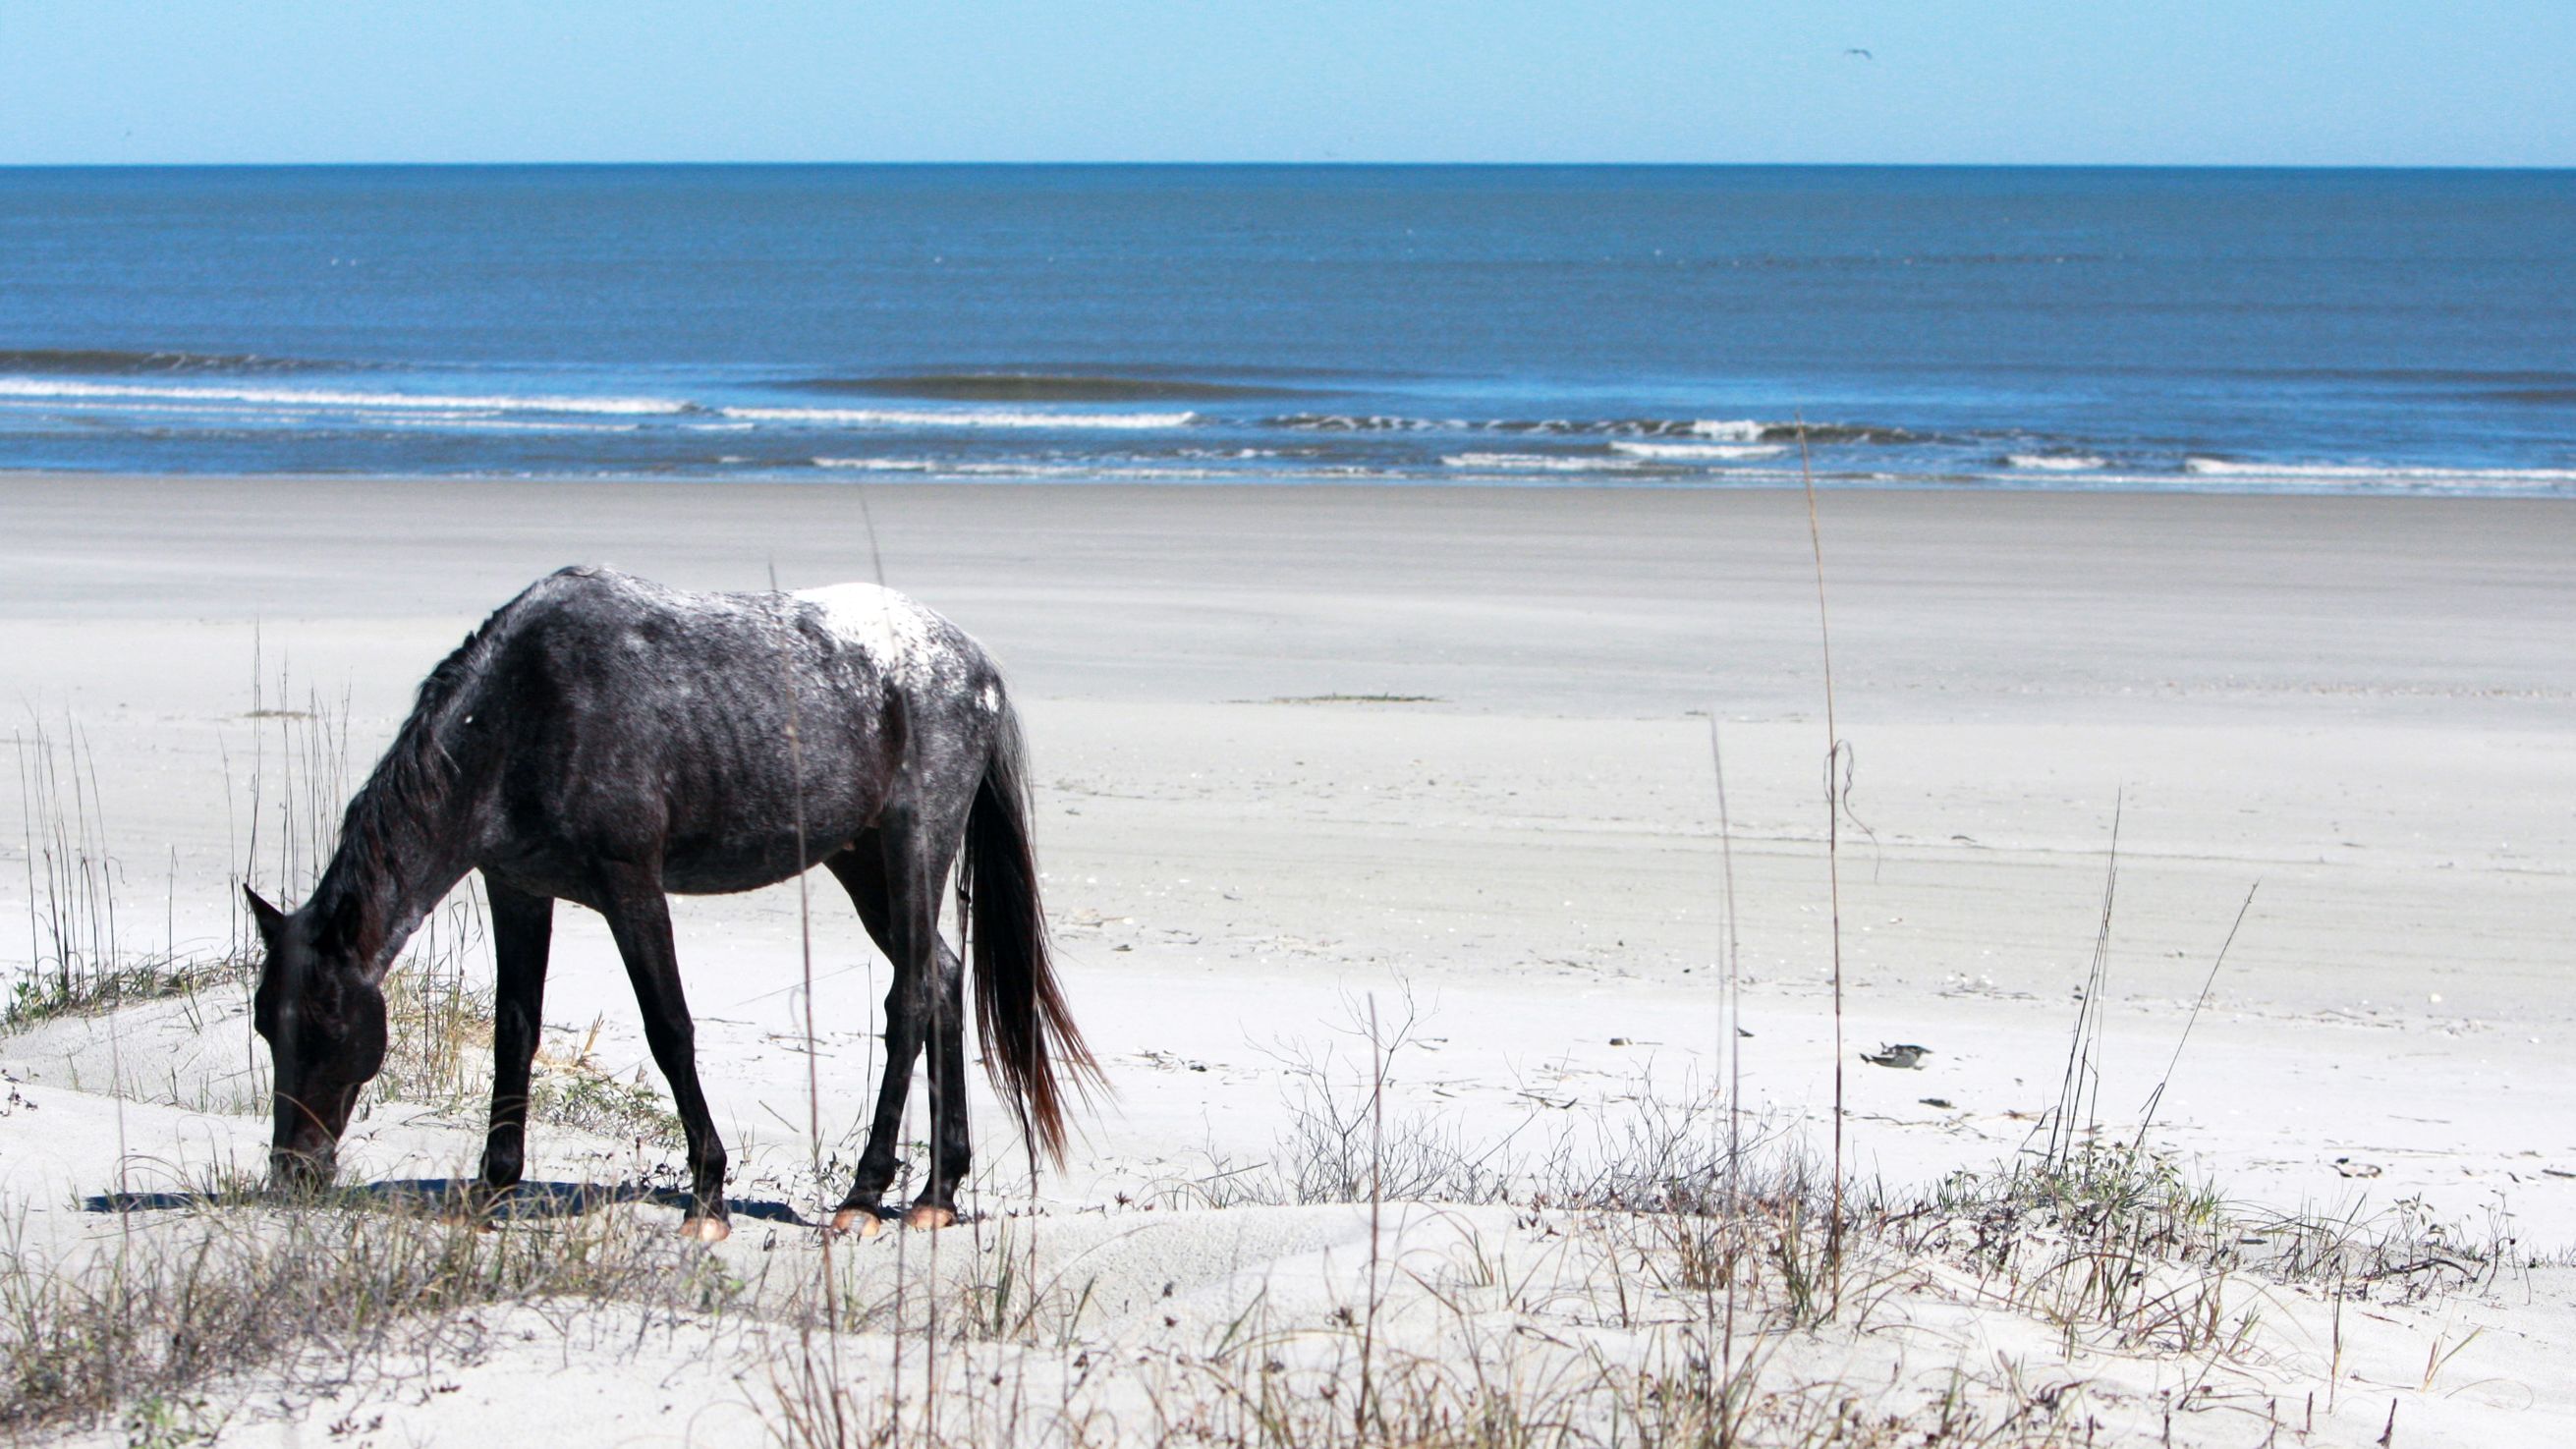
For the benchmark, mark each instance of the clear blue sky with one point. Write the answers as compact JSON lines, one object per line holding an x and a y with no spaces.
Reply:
{"x":2379,"y":82}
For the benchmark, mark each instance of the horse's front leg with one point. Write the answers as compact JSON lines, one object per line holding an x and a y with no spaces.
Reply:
{"x":522,"y":933}
{"x":639,"y":917}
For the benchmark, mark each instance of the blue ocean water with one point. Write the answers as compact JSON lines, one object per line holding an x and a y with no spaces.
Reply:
{"x":2338,"y":330}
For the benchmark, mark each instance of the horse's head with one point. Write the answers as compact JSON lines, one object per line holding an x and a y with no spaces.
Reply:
{"x":325,"y":1025}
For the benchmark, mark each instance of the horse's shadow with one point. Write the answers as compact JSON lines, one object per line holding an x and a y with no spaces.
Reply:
{"x":528,"y":1202}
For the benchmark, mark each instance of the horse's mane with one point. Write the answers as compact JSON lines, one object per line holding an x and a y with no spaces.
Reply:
{"x":409,"y":786}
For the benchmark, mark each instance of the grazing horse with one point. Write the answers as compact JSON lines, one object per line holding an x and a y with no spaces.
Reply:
{"x":603,"y":739}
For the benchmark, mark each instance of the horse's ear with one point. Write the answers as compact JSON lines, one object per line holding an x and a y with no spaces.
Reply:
{"x":268,"y":918}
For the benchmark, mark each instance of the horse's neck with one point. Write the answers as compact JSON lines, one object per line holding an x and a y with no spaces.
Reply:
{"x":393,"y":867}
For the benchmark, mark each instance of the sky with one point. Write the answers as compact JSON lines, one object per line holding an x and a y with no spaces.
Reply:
{"x":2263,"y":82}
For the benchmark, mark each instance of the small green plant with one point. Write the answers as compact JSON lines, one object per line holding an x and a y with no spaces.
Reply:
{"x":572,"y":1090}
{"x":158,"y":1422}
{"x":580,"y":1095}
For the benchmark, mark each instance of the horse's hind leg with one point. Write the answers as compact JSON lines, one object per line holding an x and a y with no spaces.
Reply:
{"x":861,"y":872}
{"x":640,"y":918}
{"x":901,"y":921}
{"x":953,"y":1153}
{"x":522,"y":932}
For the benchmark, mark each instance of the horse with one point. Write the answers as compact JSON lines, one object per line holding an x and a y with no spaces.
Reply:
{"x":603,"y":739}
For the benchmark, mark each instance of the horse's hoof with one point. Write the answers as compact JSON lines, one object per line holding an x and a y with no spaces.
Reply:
{"x":706,"y":1230}
{"x":926,"y":1215}
{"x":863,"y":1221}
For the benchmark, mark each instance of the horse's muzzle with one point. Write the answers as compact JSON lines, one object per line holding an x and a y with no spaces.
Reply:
{"x":302,"y":1174}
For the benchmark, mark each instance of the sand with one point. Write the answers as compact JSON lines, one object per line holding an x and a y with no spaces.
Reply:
{"x":1448,"y":749}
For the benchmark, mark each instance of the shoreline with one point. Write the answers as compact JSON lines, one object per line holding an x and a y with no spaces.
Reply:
{"x":2415,"y":482}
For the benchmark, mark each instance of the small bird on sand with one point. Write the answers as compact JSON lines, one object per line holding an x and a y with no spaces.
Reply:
{"x":1901,"y":1055}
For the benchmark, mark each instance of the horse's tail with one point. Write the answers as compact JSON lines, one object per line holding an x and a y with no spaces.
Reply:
{"x":1031,"y":1047}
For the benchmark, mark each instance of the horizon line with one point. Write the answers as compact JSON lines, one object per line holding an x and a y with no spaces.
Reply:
{"x":1328,"y":163}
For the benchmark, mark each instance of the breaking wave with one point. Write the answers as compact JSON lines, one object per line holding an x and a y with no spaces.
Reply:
{"x":1357,"y":423}
{"x":117,"y":362}
{"x":1740,"y":430}
{"x":33,"y":388}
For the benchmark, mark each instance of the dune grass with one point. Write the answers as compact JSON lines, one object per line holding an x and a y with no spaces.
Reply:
{"x":312,"y":1297}
{"x":1686,"y":1256}
{"x":83,"y":955}
{"x":1606,"y":1332}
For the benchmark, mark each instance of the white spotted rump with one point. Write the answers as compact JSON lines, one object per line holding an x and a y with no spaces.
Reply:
{"x":900,"y":637}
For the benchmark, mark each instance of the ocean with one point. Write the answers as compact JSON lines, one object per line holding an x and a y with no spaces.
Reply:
{"x":2344,"y":331}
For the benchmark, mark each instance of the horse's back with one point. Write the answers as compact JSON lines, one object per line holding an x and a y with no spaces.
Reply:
{"x":882,"y":634}
{"x":636,"y":706}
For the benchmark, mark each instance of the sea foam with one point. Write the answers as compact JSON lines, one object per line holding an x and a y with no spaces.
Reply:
{"x":57,"y":390}
{"x":2334,"y":473}
{"x":1694,"y":452}
{"x":1741,"y":429}
{"x":1541,"y":462}
{"x":879,"y":465}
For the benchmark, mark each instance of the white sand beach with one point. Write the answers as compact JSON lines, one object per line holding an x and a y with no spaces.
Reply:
{"x":1447,"y":752}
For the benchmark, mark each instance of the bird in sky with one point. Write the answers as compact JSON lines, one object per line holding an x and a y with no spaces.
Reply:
{"x":1863,"y":54}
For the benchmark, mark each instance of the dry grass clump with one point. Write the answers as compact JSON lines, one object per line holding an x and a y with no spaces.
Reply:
{"x":1487,"y":1393}
{"x":438,"y":1018}
{"x":315,"y":1294}
{"x":1339,"y":1145}
{"x":1570,"y":1328}
{"x":50,"y":995}
{"x":2106,"y":1243}
{"x":2109,"y":1222}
